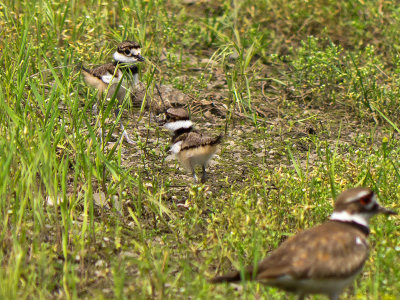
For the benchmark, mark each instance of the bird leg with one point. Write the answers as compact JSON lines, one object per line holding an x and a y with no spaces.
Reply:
{"x":334,"y":296}
{"x":204,"y":175}
{"x":95,"y":109}
{"x":126,"y":136}
{"x":196,"y":180}
{"x":124,"y":133}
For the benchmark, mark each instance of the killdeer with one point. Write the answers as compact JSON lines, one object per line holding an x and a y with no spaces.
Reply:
{"x":189,"y":146}
{"x":107,"y":76}
{"x":324,"y":259}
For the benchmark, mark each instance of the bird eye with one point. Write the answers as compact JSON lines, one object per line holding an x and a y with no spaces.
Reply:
{"x":127,"y":51}
{"x":365,"y":200}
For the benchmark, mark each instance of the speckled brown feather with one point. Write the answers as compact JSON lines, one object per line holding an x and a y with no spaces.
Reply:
{"x":102,"y":70}
{"x":93,"y":77}
{"x":195,"y":139}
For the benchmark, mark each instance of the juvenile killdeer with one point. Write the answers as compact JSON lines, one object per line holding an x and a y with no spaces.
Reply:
{"x":108,"y":76}
{"x":324,"y":259}
{"x":189,"y":146}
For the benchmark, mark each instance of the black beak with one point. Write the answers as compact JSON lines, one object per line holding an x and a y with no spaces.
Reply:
{"x":139,"y":57}
{"x":386,"y":211}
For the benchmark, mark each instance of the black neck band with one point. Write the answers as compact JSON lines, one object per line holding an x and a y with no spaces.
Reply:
{"x":181,"y":131}
{"x":363,"y":228}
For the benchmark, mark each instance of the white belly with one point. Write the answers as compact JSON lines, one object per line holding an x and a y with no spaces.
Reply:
{"x":196,"y":156}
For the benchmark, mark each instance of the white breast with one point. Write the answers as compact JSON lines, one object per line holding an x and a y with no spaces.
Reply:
{"x":110,"y":78}
{"x":175,"y":148}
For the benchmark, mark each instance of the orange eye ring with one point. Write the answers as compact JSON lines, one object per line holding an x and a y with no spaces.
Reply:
{"x":365,"y":200}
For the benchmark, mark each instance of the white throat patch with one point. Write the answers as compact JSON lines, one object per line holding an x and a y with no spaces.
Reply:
{"x":124,"y":59}
{"x":135,"y":51}
{"x":173,"y":126}
{"x":107,"y":78}
{"x":344,"y":216}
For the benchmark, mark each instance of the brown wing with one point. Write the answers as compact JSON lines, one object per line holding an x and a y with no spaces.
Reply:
{"x":101,"y":76}
{"x":313,"y":254}
{"x":196,"y":139}
{"x":102,"y":70}
{"x":180,"y":137}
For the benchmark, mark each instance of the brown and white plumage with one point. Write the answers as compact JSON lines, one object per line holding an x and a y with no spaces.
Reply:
{"x":126,"y":57}
{"x":324,"y":259}
{"x":189,"y":146}
{"x":107,"y":77}
{"x":102,"y":76}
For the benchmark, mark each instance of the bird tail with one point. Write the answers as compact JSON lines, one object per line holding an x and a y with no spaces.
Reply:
{"x":81,"y":67}
{"x":231,"y":277}
{"x":235,"y":276}
{"x":217,"y":140}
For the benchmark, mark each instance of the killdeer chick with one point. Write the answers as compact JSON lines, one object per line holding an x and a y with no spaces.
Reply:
{"x":324,"y":259}
{"x":108,"y":76}
{"x":189,"y":146}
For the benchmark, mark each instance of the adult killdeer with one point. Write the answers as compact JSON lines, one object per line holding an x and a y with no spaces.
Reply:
{"x":108,"y":76}
{"x":189,"y":146}
{"x":324,"y":259}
